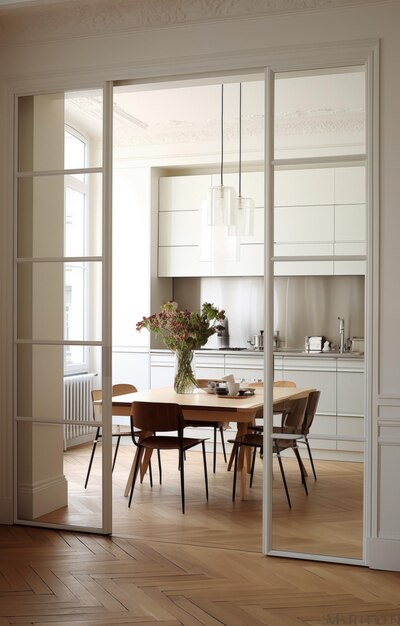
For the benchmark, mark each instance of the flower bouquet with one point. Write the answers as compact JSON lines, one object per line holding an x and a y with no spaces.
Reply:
{"x":183,"y":331}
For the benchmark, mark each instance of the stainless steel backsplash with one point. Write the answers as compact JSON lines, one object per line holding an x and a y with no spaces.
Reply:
{"x":303,"y":305}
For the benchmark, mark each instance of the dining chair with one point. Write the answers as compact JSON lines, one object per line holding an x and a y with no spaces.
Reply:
{"x":292,"y":420}
{"x":202,"y":383}
{"x":311,"y":410}
{"x":150,"y":418}
{"x":117,"y":390}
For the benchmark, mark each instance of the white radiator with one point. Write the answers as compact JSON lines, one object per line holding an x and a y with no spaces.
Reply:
{"x":78,"y":406}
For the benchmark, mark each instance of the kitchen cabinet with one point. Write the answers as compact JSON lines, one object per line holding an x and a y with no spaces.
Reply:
{"x":162,"y":368}
{"x":320,"y":212}
{"x":341,"y":407}
{"x":182,"y":224}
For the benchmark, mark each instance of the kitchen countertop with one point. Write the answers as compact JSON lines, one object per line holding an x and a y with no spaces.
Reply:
{"x":296,"y":352}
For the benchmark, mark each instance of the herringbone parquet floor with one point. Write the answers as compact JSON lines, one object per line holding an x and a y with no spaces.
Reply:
{"x":204,"y":568}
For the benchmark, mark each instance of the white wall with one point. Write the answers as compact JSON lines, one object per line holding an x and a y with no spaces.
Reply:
{"x":220,"y":45}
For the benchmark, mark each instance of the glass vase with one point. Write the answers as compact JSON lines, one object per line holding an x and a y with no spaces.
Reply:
{"x":185,"y":380}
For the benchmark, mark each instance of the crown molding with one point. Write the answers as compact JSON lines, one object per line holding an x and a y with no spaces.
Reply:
{"x":53,"y":20}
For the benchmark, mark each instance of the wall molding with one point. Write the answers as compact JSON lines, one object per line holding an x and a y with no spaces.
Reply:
{"x":76,"y":18}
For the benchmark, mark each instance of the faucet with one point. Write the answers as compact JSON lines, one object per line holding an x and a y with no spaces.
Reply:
{"x":341,"y":331}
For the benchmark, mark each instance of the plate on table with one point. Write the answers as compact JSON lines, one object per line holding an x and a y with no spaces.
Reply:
{"x":243,"y":393}
{"x":209,"y":389}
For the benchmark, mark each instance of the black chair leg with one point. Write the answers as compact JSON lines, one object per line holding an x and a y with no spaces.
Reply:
{"x":96,"y":439}
{"x":205,"y":467}
{"x":311,"y":459}
{"x":237,"y":448}
{"x":284,"y":478}
{"x":182,"y":471}
{"x":253,"y":462}
{"x":135,"y":473}
{"x":215,"y":450}
{"x":150,"y":475}
{"x":116,"y":452}
{"x":221,"y":430}
{"x":303,"y":478}
{"x":159,"y":464}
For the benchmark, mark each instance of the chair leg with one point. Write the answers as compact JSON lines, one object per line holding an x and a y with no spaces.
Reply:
{"x":182,"y":471}
{"x":159,"y":464}
{"x":135,"y":473}
{"x":253,"y":462}
{"x":299,"y":461}
{"x":116,"y":452}
{"x":150,"y":475}
{"x":221,"y":430}
{"x":284,"y":478}
{"x":203,"y":445}
{"x":215,"y":450}
{"x":236,"y":450}
{"x":95,"y":440}
{"x":311,"y":459}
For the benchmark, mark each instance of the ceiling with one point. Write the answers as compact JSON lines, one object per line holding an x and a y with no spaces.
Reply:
{"x":183,"y":119}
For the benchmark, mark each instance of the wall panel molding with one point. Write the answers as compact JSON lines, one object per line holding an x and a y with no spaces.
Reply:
{"x":94,"y":17}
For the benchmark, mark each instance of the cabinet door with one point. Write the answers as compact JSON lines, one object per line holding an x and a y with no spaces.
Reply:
{"x":305,"y":187}
{"x":349,"y":185}
{"x":210,"y":366}
{"x":162,"y":369}
{"x":315,"y":373}
{"x":350,"y":393}
{"x":183,"y":193}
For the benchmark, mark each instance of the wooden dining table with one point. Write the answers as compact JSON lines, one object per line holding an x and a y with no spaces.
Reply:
{"x":203,"y":406}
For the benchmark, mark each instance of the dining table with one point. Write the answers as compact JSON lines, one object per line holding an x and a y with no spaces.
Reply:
{"x":203,"y":406}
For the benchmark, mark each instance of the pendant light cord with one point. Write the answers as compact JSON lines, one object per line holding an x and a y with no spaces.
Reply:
{"x":222,"y":134}
{"x":240,"y":140}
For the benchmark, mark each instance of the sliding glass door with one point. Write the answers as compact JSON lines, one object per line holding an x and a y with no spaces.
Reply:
{"x":62,"y":342}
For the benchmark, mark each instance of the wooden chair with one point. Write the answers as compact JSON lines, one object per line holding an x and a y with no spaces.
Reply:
{"x":150,"y":418}
{"x":311,"y":410}
{"x":202,"y":382}
{"x":117,"y":390}
{"x":292,"y":421}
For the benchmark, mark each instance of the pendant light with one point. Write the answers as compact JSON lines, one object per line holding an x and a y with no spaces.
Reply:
{"x":242,"y":219}
{"x":221,"y":198}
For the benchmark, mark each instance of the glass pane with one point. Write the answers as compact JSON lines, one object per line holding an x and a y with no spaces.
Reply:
{"x":337,"y":495}
{"x":71,"y":210}
{"x":43,"y":120}
{"x":320,"y":114}
{"x":59,"y":301}
{"x":53,"y":458}
{"x":320,"y":212}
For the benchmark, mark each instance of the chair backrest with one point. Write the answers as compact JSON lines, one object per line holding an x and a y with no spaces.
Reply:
{"x":157,"y":417}
{"x":122,"y":388}
{"x":284,"y":383}
{"x":294,"y":414}
{"x":117,"y":390}
{"x":311,"y":410}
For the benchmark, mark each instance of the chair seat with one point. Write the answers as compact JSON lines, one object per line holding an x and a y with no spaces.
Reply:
{"x":169,"y":443}
{"x":249,"y":440}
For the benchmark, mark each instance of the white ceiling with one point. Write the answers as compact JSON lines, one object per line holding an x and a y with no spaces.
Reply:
{"x":159,"y":120}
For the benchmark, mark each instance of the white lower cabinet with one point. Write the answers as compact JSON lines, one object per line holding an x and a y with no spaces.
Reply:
{"x":340,"y":410}
{"x":162,"y":367}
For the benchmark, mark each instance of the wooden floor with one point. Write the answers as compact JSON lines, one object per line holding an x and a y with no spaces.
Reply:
{"x":201,"y":568}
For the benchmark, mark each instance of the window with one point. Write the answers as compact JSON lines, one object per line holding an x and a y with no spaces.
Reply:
{"x":75,"y":245}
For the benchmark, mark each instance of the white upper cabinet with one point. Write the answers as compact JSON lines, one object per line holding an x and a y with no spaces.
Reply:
{"x":180,"y":228}
{"x":320,"y":212}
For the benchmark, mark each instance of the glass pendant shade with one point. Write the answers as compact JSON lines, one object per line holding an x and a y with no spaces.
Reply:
{"x":221,"y":203}
{"x":243,"y":218}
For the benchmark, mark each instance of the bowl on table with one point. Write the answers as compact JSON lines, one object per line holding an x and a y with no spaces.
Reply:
{"x":221,"y":391}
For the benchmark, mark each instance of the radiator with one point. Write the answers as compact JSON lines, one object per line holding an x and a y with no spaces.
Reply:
{"x":78,"y":406}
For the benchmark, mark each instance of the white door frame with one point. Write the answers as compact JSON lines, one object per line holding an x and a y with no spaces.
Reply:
{"x":287,"y":58}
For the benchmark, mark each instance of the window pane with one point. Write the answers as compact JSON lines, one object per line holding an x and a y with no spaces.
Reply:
{"x":65,"y":207}
{"x":42,"y":144}
{"x":320,"y":114}
{"x":59,"y":301}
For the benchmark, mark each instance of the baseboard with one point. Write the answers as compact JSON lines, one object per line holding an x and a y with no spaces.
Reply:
{"x":6,"y":511}
{"x":384,"y":554}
